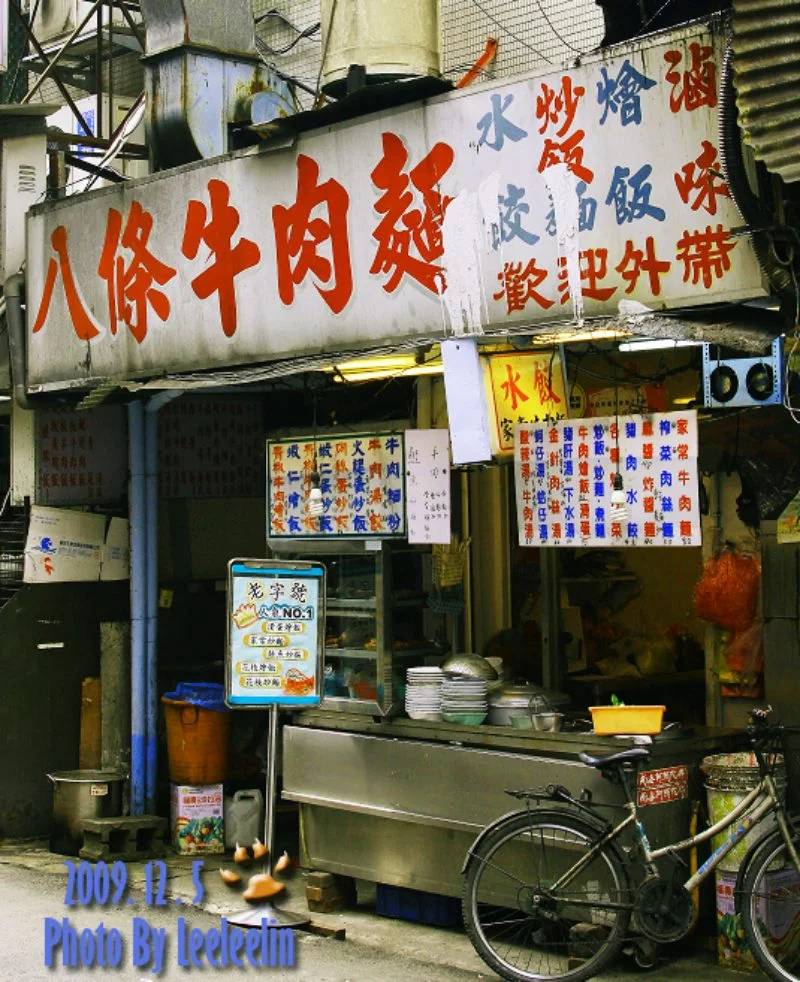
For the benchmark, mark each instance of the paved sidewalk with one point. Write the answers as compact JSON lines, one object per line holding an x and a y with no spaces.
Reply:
{"x":450,"y":948}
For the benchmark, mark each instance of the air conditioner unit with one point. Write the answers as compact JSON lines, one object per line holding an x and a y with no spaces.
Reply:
{"x":730,"y":383}
{"x":56,"y":19}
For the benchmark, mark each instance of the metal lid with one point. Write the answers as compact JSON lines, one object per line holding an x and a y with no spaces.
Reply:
{"x":87,"y":776}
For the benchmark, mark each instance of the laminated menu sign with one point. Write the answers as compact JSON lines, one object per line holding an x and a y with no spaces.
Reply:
{"x":428,"y":486}
{"x":361,"y":477}
{"x":276,"y":612}
{"x":564,"y":474}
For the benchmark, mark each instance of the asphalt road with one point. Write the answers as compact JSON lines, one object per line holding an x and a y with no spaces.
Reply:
{"x":27,"y":899}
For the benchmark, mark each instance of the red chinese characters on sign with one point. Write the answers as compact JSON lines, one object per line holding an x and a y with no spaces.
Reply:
{"x":132,"y":287}
{"x":695,"y":84}
{"x":410,"y":238}
{"x":83,"y":323}
{"x":637,"y":261}
{"x":556,"y":108}
{"x":705,"y":255}
{"x":594,"y":268}
{"x":662,"y":786}
{"x":699,"y":183}
{"x":216,"y":232}
{"x":519,"y":284}
{"x":300,"y":231}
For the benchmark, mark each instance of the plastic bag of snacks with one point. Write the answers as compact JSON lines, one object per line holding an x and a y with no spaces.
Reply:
{"x":727,"y":591}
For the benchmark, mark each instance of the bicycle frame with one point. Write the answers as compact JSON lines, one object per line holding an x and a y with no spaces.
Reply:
{"x":765,"y":798}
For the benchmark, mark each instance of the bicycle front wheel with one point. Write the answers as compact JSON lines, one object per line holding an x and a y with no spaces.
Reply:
{"x":770,"y":908}
{"x":540,"y":903}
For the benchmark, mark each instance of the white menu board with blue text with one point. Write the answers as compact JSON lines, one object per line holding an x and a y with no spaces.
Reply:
{"x":564,"y":474}
{"x":276,"y":613}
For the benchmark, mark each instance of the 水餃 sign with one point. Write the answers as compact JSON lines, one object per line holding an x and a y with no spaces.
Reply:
{"x":525,"y":387}
{"x":276,"y":620}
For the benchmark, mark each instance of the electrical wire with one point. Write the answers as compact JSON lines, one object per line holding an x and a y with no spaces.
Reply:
{"x":560,"y":36}
{"x":307,"y":34}
{"x":510,"y":33}
{"x":655,"y":17}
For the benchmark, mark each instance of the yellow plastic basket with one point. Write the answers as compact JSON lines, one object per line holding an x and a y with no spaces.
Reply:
{"x":635,"y":720}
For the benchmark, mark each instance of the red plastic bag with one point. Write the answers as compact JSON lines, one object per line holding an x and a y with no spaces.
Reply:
{"x":727,"y":591}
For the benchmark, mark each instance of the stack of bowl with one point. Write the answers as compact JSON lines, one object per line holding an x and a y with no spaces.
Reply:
{"x":424,"y":692}
{"x":464,"y":700}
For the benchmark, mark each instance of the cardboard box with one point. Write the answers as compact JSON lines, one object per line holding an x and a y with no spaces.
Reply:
{"x":196,"y":819}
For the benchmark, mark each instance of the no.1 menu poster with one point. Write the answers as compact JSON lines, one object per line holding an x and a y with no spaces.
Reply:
{"x":276,"y":614}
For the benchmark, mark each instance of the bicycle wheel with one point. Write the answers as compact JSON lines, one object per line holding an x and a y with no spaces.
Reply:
{"x":527,"y":920}
{"x":770,"y":908}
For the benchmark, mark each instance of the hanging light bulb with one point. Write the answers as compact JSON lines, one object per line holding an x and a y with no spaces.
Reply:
{"x":315,"y":505}
{"x":619,"y":510}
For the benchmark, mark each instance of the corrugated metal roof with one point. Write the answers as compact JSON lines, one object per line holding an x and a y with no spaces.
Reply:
{"x":766,"y":41}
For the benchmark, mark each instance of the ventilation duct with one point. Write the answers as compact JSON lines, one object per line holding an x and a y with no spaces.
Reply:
{"x":202,"y":72}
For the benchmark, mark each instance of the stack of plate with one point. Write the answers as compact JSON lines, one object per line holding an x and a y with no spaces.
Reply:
{"x":464,"y":700}
{"x":424,"y":692}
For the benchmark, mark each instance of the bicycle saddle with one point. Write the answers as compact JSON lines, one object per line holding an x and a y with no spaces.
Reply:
{"x":620,"y":757}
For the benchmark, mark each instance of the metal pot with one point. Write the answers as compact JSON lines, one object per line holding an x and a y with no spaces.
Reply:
{"x":547,"y":722}
{"x":472,"y":666}
{"x":78,"y":795}
{"x":513,"y":699}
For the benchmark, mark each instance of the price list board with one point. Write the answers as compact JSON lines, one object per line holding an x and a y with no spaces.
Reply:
{"x":276,"y":620}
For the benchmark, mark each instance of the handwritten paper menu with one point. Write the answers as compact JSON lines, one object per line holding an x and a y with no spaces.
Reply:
{"x":361,"y":479}
{"x":428,"y":486}
{"x":564,"y":475}
{"x":274,"y":632}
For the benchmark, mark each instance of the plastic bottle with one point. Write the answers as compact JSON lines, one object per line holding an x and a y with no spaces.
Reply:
{"x":244,"y":818}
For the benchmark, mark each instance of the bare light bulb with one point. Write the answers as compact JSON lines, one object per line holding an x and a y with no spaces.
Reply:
{"x":619,"y":510}
{"x":315,"y":505}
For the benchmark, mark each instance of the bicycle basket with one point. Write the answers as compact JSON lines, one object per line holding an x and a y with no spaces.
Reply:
{"x":790,"y":738}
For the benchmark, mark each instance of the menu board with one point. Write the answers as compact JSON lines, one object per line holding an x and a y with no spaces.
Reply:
{"x":276,"y":613}
{"x":564,"y":474}
{"x":361,"y":479}
{"x":211,"y":447}
{"x":428,"y":486}
{"x":82,"y":457}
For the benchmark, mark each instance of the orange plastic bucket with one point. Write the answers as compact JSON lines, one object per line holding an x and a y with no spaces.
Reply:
{"x":197,"y":743}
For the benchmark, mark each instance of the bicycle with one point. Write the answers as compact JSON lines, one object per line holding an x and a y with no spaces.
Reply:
{"x":550,"y":891}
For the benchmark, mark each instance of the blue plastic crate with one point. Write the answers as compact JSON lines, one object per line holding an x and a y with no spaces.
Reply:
{"x":416,"y":905}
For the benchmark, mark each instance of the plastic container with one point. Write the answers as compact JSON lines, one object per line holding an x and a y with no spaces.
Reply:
{"x":78,"y":795}
{"x":624,"y":720}
{"x":244,"y":818}
{"x":198,"y":729}
{"x":415,"y":905}
{"x":729,"y":778}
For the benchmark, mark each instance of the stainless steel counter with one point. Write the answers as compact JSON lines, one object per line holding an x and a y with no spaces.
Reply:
{"x":400,"y":801}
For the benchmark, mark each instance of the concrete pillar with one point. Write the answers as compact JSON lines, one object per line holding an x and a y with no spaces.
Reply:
{"x":115,"y":659}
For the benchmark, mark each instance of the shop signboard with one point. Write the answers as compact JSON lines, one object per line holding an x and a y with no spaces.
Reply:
{"x":361,"y":479}
{"x":507,"y":206}
{"x":82,"y":455}
{"x":211,"y":447}
{"x":428,"y":486}
{"x":523,"y":387}
{"x":276,"y":625}
{"x":564,"y":474}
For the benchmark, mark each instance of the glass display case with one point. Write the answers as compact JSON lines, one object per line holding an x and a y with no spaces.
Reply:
{"x":377,"y":624}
